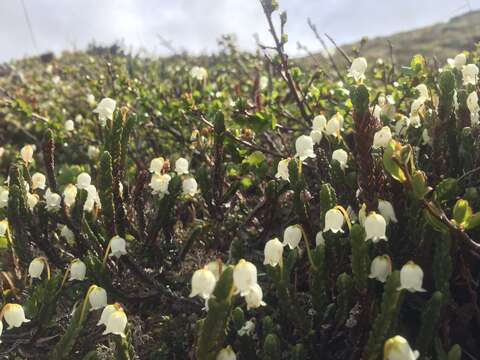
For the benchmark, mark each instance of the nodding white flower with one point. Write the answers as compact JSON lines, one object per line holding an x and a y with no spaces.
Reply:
{"x":316,"y":136}
{"x":159,"y":183}
{"x":83,"y":180}
{"x":319,"y":239}
{"x":334,"y":125}
{"x":375,"y":227}
{"x":386,"y":210}
{"x":118,"y":246}
{"x":116,"y":323}
{"x":156,"y":165}
{"x":254,"y":297}
{"x":244,"y":276}
{"x":70,"y":194}
{"x":304,"y":147}
{"x":248,"y":329}
{"x":426,"y":139}
{"x":292,"y":236}
{"x":92,"y":198}
{"x":93,"y":152}
{"x":216,"y":267}
{"x":341,"y":156}
{"x":32,"y":201}
{"x":411,"y":277}
{"x":67,"y":234}
{"x":91,"y":99}
{"x":226,"y":354}
{"x":3,"y":198}
{"x":470,"y":74}
{"x":3,"y":227}
{"x":319,"y":123}
{"x":380,"y":268}
{"x":27,"y":153}
{"x":97,"y":298}
{"x":69,"y":125}
{"x":382,"y":137}
{"x":402,"y":125}
{"x":273,"y":252}
{"x":473,"y":107}
{"x":203,"y":283}
{"x":56,"y":79}
{"x":14,"y":315}
{"x":38,"y":181}
{"x":106,"y":312}
{"x":199,"y":73}
{"x":105,"y":110}
{"x":423,"y":90}
{"x":458,"y":61}
{"x":397,"y":348}
{"x":35,"y":269}
{"x":53,"y":200}
{"x":358,"y":68}
{"x":334,"y":221}
{"x":282,"y":170}
{"x":190,"y":186}
{"x":78,"y":269}
{"x":181,"y":166}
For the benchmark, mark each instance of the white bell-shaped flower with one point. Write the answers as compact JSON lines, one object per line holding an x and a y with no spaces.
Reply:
{"x":70,"y":194}
{"x":226,"y":354}
{"x":106,"y":312}
{"x":105,"y":110}
{"x":334,"y":125}
{"x":69,"y":125}
{"x":190,"y":186}
{"x":375,"y":227}
{"x":32,"y":200}
{"x":78,"y":269}
{"x":386,"y":210}
{"x":292,"y":236}
{"x":423,"y":90}
{"x":247,"y":329}
{"x":380,"y":268}
{"x":244,"y":276}
{"x":203,"y":283}
{"x":319,"y":239}
{"x":3,"y":227}
{"x":93,"y":152}
{"x":67,"y":234}
{"x":3,"y":198}
{"x":358,"y":68}
{"x":334,"y":221}
{"x":254,"y":297}
{"x":38,"y":181}
{"x":382,"y":137}
{"x":159,"y":183}
{"x":14,"y":315}
{"x":83,"y":180}
{"x":282,"y":170}
{"x":319,"y":123}
{"x":473,"y":107}
{"x":97,"y":298}
{"x":91,"y":99}
{"x":116,"y":323}
{"x":398,"y":348}
{"x":273,"y":252}
{"x":92,"y":198}
{"x":156,"y":165}
{"x":35,"y":269}
{"x":316,"y":136}
{"x":118,"y":246}
{"x":27,"y":153}
{"x":181,"y":166}
{"x":341,"y":156}
{"x":470,"y":74}
{"x":458,"y":61}
{"x":304,"y":147}
{"x":199,"y":73}
{"x":411,"y":277}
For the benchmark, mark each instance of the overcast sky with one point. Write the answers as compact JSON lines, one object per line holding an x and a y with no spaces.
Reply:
{"x":195,"y":25}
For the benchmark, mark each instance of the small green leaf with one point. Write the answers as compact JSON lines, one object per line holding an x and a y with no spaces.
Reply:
{"x":472,"y":222}
{"x":461,"y":212}
{"x":390,"y":165}
{"x":419,"y":185}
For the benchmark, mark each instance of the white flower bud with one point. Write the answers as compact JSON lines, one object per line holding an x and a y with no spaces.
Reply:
{"x":292,"y":236}
{"x":397,"y":348}
{"x":226,"y":354}
{"x":32,"y":201}
{"x":35,"y":268}
{"x":341,"y":156}
{"x":92,"y":197}
{"x":263,"y":83}
{"x":14,"y":315}
{"x":190,"y":186}
{"x":156,"y":165}
{"x":380,"y":268}
{"x":458,"y":61}
{"x":304,"y":147}
{"x":426,"y":139}
{"x":67,"y":234}
{"x":382,"y":137}
{"x":53,"y":200}
{"x":83,"y":180}
{"x":181,"y":166}
{"x":386,"y":210}
{"x":91,"y":100}
{"x":282,"y":170}
{"x":118,"y":246}
{"x":116,"y":323}
{"x":105,"y":110}
{"x":93,"y":152}
{"x":316,"y":136}
{"x":358,"y":68}
{"x":470,"y":74}
{"x":27,"y":153}
{"x":70,"y":194}
{"x":97,"y":298}
{"x":3,"y":227}
{"x":203,"y":283}
{"x":38,"y":181}
{"x":273,"y":252}
{"x":375,"y":227}
{"x":248,"y":329}
{"x":319,"y":123}
{"x":159,"y":183}
{"x":78,"y":269}
{"x":3,"y":198}
{"x":411,"y":277}
{"x":254,"y":297}
{"x":69,"y":125}
{"x":244,"y":276}
{"x":334,"y":125}
{"x":199,"y":73}
{"x":334,"y":221}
